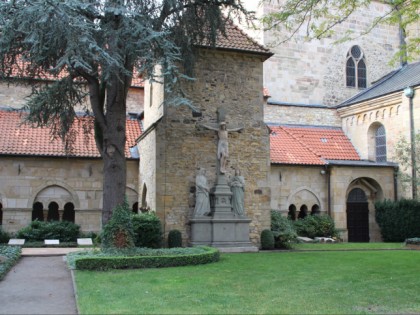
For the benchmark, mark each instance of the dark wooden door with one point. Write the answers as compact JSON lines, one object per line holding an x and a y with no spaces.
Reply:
{"x":357,"y":216}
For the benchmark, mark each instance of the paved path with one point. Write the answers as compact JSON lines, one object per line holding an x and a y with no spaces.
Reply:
{"x":38,"y":284}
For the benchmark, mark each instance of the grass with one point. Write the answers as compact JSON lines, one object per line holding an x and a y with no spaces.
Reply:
{"x":318,"y":282}
{"x":9,"y":256}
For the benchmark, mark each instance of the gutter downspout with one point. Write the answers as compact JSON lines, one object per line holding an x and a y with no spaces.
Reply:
{"x":328,"y":173}
{"x":396,"y":183}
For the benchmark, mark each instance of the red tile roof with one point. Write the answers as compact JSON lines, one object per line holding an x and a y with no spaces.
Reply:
{"x":309,"y":145}
{"x":22,"y":139}
{"x":237,"y":39}
{"x":21,"y":70}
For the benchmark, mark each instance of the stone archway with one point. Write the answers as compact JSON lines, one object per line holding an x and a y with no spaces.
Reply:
{"x":362,"y":193}
{"x":357,"y":216}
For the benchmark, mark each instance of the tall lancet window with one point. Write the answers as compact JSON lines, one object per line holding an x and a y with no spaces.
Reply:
{"x":356,"y":68}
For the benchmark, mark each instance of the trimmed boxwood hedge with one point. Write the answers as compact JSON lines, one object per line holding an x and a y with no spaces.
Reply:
{"x":135,"y":262}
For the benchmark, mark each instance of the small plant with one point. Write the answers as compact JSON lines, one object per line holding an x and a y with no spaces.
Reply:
{"x":316,"y":226}
{"x":283,"y":230}
{"x":267,"y":239}
{"x":4,"y":236}
{"x":147,"y":230}
{"x":118,"y":232}
{"x":174,"y":239}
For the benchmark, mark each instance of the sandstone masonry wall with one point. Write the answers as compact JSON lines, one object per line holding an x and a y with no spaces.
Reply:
{"x":25,"y":180}
{"x":233,"y":81}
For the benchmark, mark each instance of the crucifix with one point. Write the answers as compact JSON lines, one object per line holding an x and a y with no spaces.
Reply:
{"x":222,"y":133}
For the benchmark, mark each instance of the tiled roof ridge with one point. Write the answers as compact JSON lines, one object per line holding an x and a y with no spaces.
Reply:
{"x":275,"y":124}
{"x":248,"y":37}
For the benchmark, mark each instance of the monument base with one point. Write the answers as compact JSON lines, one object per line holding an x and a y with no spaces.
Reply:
{"x":228,"y":235}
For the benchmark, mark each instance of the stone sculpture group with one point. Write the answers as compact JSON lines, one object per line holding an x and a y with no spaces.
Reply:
{"x":202,"y":200}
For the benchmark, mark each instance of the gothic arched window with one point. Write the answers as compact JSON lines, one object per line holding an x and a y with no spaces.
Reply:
{"x":356,"y":68}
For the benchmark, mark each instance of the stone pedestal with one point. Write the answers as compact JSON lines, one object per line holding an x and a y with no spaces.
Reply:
{"x":222,"y":229}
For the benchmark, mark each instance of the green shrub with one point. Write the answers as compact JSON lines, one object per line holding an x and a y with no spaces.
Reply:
{"x":100,"y":262}
{"x":10,"y":256}
{"x":267,"y":239}
{"x":39,"y":231}
{"x":147,"y":230}
{"x":4,"y":236}
{"x":398,"y":220}
{"x":174,"y":239}
{"x":118,"y":232}
{"x":283,"y":230}
{"x":316,"y":226}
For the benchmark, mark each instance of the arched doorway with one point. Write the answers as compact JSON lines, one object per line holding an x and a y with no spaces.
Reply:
{"x":357,"y":216}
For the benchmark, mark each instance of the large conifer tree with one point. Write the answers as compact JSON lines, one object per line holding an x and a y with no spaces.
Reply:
{"x":95,"y":46}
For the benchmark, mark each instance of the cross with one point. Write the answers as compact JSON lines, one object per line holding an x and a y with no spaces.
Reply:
{"x":222,"y":133}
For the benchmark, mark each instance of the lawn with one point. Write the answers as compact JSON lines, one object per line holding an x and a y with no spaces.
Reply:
{"x":318,"y":282}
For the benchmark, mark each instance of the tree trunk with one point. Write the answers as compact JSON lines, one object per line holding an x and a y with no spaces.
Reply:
{"x":114,"y":138}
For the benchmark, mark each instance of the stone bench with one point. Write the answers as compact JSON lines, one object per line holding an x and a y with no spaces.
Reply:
{"x":51,"y":242}
{"x":84,"y":242}
{"x":16,"y":241}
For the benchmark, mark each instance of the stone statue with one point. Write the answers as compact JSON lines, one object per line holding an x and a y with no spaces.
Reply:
{"x":202,"y":200}
{"x":237,"y":185}
{"x":223,"y":144}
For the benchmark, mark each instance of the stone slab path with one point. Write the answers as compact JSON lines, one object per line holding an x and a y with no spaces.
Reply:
{"x":38,"y":285}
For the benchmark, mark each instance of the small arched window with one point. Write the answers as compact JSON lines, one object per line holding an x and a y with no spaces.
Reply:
{"x":315,"y":210}
{"x":303,"y":212}
{"x":356,"y":72}
{"x":53,"y":214}
{"x":292,"y":212}
{"x":380,"y":144}
{"x":69,"y":213}
{"x":38,"y":211}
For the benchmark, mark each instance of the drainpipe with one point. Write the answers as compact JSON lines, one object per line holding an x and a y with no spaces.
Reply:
{"x":396,"y":183}
{"x":409,"y":93}
{"x":328,"y":173}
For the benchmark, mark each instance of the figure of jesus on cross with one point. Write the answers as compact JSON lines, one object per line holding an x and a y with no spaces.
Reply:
{"x":223,"y":143}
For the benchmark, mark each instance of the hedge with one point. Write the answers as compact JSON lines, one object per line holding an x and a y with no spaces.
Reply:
{"x":40,"y":231}
{"x":135,"y":262}
{"x":10,"y":256}
{"x":398,"y":220}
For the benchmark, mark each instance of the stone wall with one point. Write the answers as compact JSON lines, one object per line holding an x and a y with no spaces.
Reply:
{"x":313,"y":72}
{"x":392,"y":111}
{"x":308,"y":186}
{"x":301,"y":115}
{"x":25,"y":180}
{"x":233,"y":81}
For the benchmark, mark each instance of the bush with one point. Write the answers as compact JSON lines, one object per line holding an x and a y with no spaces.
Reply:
{"x":398,"y":220}
{"x":174,"y":239}
{"x":101,"y":262}
{"x":4,"y":236}
{"x":316,"y":226}
{"x":39,"y":231}
{"x":267,"y":239}
{"x":147,"y":230}
{"x":283,"y":230}
{"x":10,"y":256}
{"x":118,"y":232}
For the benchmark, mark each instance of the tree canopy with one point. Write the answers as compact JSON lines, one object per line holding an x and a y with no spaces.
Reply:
{"x":319,"y":18}
{"x":92,"y":48}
